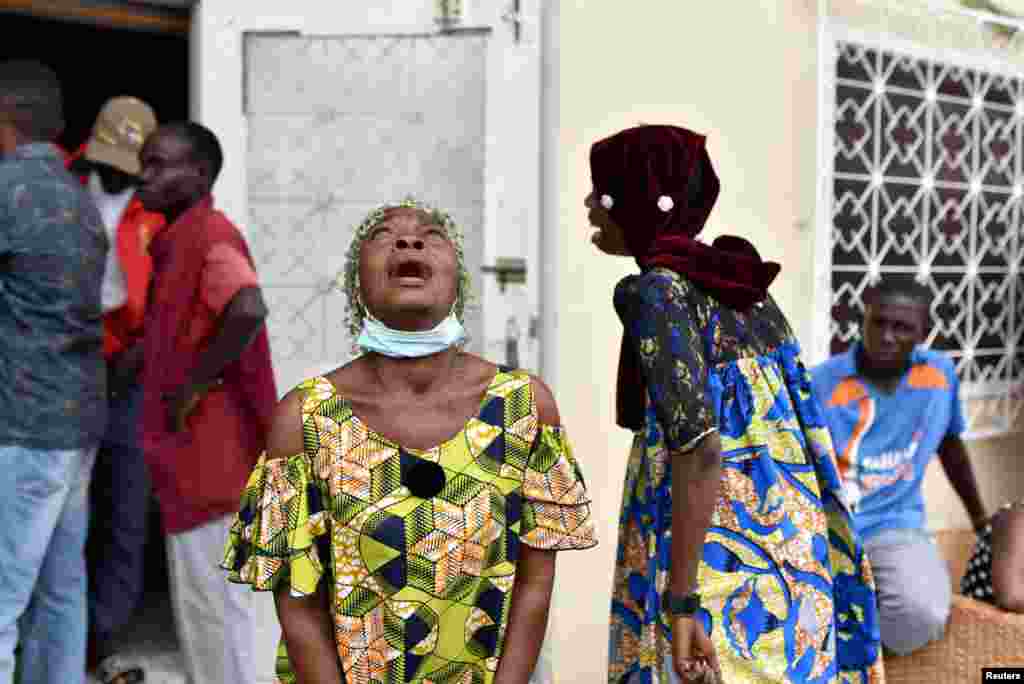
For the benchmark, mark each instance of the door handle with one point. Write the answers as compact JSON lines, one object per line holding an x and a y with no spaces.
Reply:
{"x":507,"y":270}
{"x":514,"y":16}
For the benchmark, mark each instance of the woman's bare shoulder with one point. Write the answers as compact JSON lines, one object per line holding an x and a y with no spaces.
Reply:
{"x":481,"y":371}
{"x":477,"y":369}
{"x":544,"y":398}
{"x":352,"y":379}
{"x":286,"y":437}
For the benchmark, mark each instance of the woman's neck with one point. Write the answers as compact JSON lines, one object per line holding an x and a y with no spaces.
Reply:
{"x":416,"y":376}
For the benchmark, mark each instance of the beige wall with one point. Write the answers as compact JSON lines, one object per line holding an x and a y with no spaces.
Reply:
{"x":748,"y":79}
{"x":999,"y":466}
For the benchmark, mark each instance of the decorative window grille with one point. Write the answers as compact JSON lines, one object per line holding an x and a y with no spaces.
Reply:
{"x":926,"y":178}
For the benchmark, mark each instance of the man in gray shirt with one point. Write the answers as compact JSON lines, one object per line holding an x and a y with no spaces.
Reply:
{"x":52,"y":382}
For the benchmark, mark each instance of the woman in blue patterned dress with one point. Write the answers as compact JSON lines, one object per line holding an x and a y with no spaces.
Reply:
{"x":736,"y":559}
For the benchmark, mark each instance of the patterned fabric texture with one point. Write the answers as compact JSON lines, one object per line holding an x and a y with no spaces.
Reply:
{"x":53,"y":250}
{"x":977,"y":579}
{"x":420,"y":587}
{"x":787,"y":592}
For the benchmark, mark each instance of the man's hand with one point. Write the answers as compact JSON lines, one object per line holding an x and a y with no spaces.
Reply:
{"x":183,"y":401}
{"x":693,"y":654}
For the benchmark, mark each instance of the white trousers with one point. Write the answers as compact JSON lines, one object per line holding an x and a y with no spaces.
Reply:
{"x":213,"y":616}
{"x":544,"y":670}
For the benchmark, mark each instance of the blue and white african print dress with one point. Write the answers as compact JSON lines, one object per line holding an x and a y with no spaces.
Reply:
{"x":786,"y":589}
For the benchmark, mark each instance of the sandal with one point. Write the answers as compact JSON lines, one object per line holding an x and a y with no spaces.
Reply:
{"x":113,"y":671}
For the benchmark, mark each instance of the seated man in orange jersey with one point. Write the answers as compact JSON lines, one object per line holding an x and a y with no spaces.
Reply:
{"x":892,"y":407}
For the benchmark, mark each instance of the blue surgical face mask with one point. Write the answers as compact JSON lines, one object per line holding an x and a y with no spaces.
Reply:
{"x":410,"y":344}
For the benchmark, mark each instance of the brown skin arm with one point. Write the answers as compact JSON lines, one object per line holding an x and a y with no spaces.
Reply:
{"x":957,"y":465}
{"x":535,"y":581}
{"x":528,"y":615}
{"x":305,"y":622}
{"x":696,"y":477}
{"x":238,"y":325}
{"x":309,"y":636}
{"x":1008,"y":560}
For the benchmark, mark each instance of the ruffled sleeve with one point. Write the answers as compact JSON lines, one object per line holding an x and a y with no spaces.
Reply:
{"x":280,"y":532}
{"x":556,"y":507}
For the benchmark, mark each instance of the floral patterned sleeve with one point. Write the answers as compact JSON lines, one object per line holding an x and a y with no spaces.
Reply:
{"x":665,"y":331}
{"x":556,"y":507}
{"x":275,"y":535}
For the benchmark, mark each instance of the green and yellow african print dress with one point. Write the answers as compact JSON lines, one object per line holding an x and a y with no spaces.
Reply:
{"x":420,"y":582}
{"x":787,"y":592}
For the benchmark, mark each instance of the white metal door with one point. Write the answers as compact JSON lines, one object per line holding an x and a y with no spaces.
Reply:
{"x":287,"y":184}
{"x":339,"y":121}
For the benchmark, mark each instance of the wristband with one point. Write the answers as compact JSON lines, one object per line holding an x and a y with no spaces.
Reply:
{"x":680,"y":606}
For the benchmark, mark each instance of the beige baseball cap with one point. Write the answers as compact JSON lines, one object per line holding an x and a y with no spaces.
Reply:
{"x":121,"y":129}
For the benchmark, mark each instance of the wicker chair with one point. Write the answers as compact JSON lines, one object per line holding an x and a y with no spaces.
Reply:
{"x":978,"y":635}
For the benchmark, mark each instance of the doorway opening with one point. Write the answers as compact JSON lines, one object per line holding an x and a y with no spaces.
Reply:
{"x":96,"y":57}
{"x":96,"y":62}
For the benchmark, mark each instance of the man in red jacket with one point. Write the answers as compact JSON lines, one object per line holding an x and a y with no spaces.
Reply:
{"x":210,"y":394}
{"x":108,"y":164}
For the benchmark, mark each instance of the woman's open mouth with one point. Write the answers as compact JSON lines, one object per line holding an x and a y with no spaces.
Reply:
{"x":411,"y":272}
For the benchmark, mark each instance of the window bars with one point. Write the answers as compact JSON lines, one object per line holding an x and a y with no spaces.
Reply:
{"x":922,"y":150}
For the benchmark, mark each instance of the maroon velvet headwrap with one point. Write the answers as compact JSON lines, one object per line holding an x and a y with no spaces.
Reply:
{"x":636,"y":168}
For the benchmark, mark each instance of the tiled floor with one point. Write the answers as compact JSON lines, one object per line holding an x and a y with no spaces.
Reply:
{"x":149,"y":642}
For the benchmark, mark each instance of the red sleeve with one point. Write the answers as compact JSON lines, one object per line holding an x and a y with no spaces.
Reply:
{"x":71,"y":157}
{"x":225,"y":272}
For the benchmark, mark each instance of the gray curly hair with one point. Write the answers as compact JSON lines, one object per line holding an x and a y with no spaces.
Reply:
{"x":348,"y":279}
